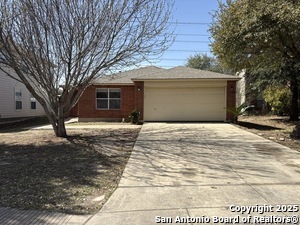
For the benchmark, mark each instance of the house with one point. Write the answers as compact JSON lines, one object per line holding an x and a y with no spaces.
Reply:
{"x":177,"y":94}
{"x":241,"y":88}
{"x":249,"y":95}
{"x":15,"y":99}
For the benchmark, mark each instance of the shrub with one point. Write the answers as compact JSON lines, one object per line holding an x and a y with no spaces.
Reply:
{"x":237,"y":111}
{"x":278,"y":97}
{"x":134,"y":116}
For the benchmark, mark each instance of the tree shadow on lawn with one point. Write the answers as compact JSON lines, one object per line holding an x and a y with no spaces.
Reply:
{"x":285,"y":120}
{"x":257,"y":126}
{"x":22,"y":124}
{"x":61,"y":176}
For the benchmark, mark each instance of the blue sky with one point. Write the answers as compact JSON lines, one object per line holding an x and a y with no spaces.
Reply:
{"x":193,"y":18}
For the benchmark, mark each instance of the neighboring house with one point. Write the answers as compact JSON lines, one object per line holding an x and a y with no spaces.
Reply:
{"x":241,"y":88}
{"x":15,"y":99}
{"x":178,"y":94}
{"x":245,"y":94}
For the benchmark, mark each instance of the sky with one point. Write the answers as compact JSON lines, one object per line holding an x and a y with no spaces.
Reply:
{"x":193,"y":19}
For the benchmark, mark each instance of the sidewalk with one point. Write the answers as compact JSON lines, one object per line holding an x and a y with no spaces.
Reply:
{"x":28,"y":217}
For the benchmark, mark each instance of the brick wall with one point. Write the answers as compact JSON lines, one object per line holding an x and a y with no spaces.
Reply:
{"x":74,"y":111}
{"x":139,"y":97}
{"x":231,"y":98}
{"x":87,"y":103}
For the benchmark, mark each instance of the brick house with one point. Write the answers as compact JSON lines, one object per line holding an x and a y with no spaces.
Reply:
{"x":177,"y":94}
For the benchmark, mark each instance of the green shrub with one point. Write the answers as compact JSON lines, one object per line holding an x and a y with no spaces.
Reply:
{"x":238,"y":111}
{"x":278,"y":97}
{"x":134,"y":116}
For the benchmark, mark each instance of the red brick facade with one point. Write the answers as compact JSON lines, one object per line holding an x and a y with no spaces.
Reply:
{"x":132,"y":96}
{"x":231,"y":98}
{"x":74,"y":111}
{"x":139,"y":97}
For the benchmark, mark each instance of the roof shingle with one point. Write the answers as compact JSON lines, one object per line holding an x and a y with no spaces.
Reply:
{"x":156,"y":73}
{"x":182,"y":72}
{"x":125,"y":77}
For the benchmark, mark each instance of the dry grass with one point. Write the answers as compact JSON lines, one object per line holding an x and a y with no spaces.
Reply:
{"x":41,"y":171}
{"x":275,"y":128}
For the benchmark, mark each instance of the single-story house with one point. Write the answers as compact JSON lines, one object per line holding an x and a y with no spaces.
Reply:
{"x":177,"y":94}
{"x":15,"y":99}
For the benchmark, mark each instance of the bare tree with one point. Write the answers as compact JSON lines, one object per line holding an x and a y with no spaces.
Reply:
{"x":50,"y":43}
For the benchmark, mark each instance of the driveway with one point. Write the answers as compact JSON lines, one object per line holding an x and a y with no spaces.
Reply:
{"x":204,"y":173}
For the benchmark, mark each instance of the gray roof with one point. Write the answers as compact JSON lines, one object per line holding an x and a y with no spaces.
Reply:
{"x":182,"y":72}
{"x":156,"y":73}
{"x":125,"y":77}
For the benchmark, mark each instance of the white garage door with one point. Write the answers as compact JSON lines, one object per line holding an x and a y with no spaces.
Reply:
{"x":184,"y":104}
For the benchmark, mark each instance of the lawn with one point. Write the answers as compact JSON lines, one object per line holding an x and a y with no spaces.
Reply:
{"x":274,"y":128}
{"x":73,"y":175}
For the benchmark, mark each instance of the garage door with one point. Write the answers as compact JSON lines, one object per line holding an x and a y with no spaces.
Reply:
{"x":184,"y":104}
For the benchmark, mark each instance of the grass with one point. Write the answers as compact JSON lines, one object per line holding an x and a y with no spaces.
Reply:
{"x":275,"y":128}
{"x":43,"y":172}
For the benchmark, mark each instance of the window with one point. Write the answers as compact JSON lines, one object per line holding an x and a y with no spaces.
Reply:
{"x":32,"y":102}
{"x":108,"y":98}
{"x":18,"y":99}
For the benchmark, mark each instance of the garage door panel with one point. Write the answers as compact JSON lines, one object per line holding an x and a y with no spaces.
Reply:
{"x":186,"y":91}
{"x":184,"y":104}
{"x":186,"y":97}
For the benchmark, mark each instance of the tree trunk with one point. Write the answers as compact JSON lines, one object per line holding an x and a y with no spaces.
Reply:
{"x":60,"y":130}
{"x":296,"y":132}
{"x":58,"y":122}
{"x":294,"y":101}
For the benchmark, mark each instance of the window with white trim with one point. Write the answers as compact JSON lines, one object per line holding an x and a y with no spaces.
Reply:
{"x":108,"y":98}
{"x":18,"y":99}
{"x":32,"y":102}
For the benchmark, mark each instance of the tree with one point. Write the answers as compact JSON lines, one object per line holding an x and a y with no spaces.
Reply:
{"x":278,"y":97}
{"x":205,"y":62}
{"x":201,"y":62}
{"x":54,"y":43}
{"x":260,"y":35}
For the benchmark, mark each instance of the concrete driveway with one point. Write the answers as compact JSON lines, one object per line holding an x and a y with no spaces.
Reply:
{"x":205,"y":173}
